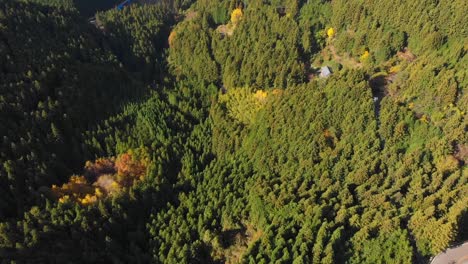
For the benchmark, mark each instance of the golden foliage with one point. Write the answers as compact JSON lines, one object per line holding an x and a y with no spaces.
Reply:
{"x":98,"y":192}
{"x":172,"y":38}
{"x":395,"y":69}
{"x":260,"y":95}
{"x":74,"y":190}
{"x":110,"y":177}
{"x":88,"y":199}
{"x":365,"y":56}
{"x":78,"y":179}
{"x":64,"y":199}
{"x":331,"y":33}
{"x":243,"y":105}
{"x":236,"y":16}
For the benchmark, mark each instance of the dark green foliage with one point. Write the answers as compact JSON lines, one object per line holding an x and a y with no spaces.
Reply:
{"x":56,"y":80}
{"x":138,"y":43}
{"x":365,"y":166}
{"x":422,"y":25}
{"x":190,"y":54}
{"x":66,"y":4}
{"x":264,"y":51}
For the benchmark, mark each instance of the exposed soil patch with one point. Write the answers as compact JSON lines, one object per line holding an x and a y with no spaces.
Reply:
{"x":462,"y":153}
{"x":237,"y":241}
{"x":191,"y":15}
{"x":225,"y":30}
{"x":406,"y":55}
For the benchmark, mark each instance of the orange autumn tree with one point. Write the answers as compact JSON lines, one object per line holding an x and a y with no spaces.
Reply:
{"x":131,"y":166}
{"x":171,"y":38}
{"x":104,"y":177}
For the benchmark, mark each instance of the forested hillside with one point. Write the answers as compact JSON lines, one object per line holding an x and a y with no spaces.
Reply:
{"x":208,"y":132}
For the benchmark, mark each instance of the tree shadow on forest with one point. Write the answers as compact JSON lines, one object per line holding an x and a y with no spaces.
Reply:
{"x":88,"y":8}
{"x":462,"y":228}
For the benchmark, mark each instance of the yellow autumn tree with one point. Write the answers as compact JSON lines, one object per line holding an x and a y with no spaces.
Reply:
{"x":260,"y":95}
{"x":365,"y":56}
{"x":331,"y":33}
{"x":236,"y":16}
{"x":88,"y":199}
{"x":242,"y":104}
{"x":395,"y":69}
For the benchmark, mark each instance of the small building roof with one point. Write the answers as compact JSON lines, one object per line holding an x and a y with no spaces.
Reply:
{"x":325,"y":72}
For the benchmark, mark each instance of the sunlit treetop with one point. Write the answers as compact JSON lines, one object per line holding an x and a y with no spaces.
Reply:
{"x":365,"y":56}
{"x":331,"y":33}
{"x":236,"y":16}
{"x":108,"y":177}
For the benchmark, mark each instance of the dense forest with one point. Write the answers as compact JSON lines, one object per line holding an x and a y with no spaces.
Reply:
{"x":203,"y":131}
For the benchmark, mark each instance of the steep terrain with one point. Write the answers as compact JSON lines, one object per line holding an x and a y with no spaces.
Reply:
{"x":201,"y":132}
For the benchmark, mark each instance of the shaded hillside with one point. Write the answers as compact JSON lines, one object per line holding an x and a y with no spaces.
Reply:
{"x":57,"y":79}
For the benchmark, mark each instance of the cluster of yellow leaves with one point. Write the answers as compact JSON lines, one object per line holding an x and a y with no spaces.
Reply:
{"x":331,"y":33}
{"x":88,"y":199}
{"x":452,"y":107}
{"x":260,"y":95}
{"x":424,"y":119}
{"x":64,"y":199}
{"x":110,"y":177}
{"x":74,"y":190}
{"x":242,"y":105}
{"x":236,"y":16}
{"x":395,"y":69}
{"x":365,"y":56}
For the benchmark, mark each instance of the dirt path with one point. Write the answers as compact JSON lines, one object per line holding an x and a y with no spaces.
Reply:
{"x":456,"y":255}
